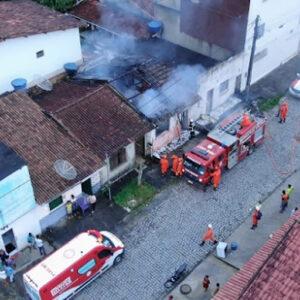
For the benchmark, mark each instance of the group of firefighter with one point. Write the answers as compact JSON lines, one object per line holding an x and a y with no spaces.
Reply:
{"x":177,"y":168}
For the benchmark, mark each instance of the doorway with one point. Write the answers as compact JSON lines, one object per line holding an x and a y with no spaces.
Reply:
{"x":209,"y":101}
{"x":86,"y":187}
{"x":140,"y":147}
{"x":238,"y":82}
{"x":185,"y":120}
{"x":9,"y":241}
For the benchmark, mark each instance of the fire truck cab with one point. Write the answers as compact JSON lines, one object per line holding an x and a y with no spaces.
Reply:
{"x":224,"y":146}
{"x":70,"y":268}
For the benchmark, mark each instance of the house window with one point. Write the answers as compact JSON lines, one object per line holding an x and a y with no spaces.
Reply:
{"x":163,"y":126}
{"x":85,"y":268}
{"x":55,"y":203}
{"x":117,"y":158}
{"x":40,"y":54}
{"x":260,"y":55}
{"x":224,"y":86}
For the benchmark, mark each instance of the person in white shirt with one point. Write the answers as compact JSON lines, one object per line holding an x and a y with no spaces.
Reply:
{"x":293,"y":211}
{"x":40,"y":245}
{"x":92,"y":200}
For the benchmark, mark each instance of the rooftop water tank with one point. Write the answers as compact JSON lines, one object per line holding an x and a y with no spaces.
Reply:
{"x":19,"y":84}
{"x":71,"y":69}
{"x":155,"y":27}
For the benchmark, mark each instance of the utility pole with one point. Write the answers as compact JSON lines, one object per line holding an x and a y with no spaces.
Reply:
{"x":250,"y":67}
{"x":108,"y":175}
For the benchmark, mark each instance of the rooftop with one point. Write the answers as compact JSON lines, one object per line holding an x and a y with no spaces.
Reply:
{"x":41,"y":141}
{"x":10,"y":161}
{"x":273,"y":272}
{"x":96,"y":114}
{"x":112,"y":18}
{"x":22,"y":18}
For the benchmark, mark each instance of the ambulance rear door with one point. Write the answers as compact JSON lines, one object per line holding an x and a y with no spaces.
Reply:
{"x":31,"y":288}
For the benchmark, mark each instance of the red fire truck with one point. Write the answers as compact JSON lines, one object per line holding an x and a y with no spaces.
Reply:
{"x":70,"y":268}
{"x":225,"y":146}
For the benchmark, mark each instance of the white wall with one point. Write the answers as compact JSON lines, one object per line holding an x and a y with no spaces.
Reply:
{"x":22,"y":226}
{"x":18,"y":56}
{"x":281,"y":36}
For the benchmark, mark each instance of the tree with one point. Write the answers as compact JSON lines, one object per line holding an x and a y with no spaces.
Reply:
{"x":60,"y":5}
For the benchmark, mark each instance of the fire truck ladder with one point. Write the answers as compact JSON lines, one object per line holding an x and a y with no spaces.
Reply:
{"x":232,"y":123}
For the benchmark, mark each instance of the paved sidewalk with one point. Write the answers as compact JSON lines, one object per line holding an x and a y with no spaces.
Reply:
{"x":249,"y":241}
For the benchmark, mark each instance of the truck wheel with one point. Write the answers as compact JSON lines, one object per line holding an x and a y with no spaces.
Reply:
{"x":251,"y":150}
{"x":118,"y":259}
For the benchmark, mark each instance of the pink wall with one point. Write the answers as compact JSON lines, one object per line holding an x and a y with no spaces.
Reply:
{"x":166,"y":137}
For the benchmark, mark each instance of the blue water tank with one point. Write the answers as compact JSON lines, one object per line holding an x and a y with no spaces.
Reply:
{"x":19,"y":84}
{"x":234,"y":246}
{"x":155,"y":27}
{"x":71,"y":69}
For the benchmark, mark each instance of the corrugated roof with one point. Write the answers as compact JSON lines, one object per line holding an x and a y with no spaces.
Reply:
{"x":112,"y":18}
{"x":41,"y":141}
{"x":96,"y":115}
{"x":24,"y":18}
{"x":273,"y":272}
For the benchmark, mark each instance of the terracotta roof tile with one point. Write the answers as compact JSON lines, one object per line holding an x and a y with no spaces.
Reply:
{"x":277,"y":277}
{"x":113,"y":19}
{"x":24,"y":18}
{"x":40,"y":141}
{"x":97,"y":116}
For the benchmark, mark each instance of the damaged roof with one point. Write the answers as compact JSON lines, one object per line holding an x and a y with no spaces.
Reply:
{"x":111,"y":17}
{"x":96,"y":115}
{"x":22,"y":18}
{"x":273,"y":272}
{"x":41,"y":141}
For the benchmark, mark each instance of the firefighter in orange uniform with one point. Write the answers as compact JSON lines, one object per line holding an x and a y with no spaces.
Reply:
{"x":283,"y":112}
{"x":164,"y":164}
{"x":208,"y":235}
{"x":179,"y":170}
{"x":216,"y":174}
{"x":246,"y":121}
{"x":175,"y":164}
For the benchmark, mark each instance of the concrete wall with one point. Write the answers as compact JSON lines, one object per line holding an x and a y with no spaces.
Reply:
{"x":280,"y":41}
{"x":169,"y":13}
{"x":18,"y":56}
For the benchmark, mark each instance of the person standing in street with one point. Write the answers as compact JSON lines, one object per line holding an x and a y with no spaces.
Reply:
{"x":3,"y":256}
{"x":31,"y":241}
{"x":294,"y":211}
{"x":179,"y":170}
{"x":208,"y":235}
{"x":164,"y":164}
{"x":9,"y":272}
{"x":92,"y":201}
{"x":283,"y":112}
{"x":284,"y":201}
{"x":289,"y":190}
{"x":216,"y":174}
{"x":256,"y":217}
{"x":216,"y":290}
{"x":206,"y":283}
{"x":174,"y":164}
{"x":40,"y":245}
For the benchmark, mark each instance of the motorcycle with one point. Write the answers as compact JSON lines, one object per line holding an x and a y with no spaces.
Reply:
{"x":177,"y":275}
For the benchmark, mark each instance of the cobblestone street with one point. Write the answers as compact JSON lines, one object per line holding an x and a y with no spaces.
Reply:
{"x":168,"y":232}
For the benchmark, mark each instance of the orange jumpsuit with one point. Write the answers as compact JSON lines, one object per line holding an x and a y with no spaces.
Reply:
{"x":175,"y":163}
{"x":254,"y":218}
{"x":283,"y":111}
{"x":164,"y":164}
{"x":209,"y":235}
{"x":216,"y":176}
{"x":246,"y":120}
{"x":179,"y":170}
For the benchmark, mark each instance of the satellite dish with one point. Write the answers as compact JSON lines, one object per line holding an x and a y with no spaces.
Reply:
{"x":43,"y":83}
{"x":65,"y":169}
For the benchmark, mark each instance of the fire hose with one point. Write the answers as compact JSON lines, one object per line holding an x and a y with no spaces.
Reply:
{"x":292,"y":155}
